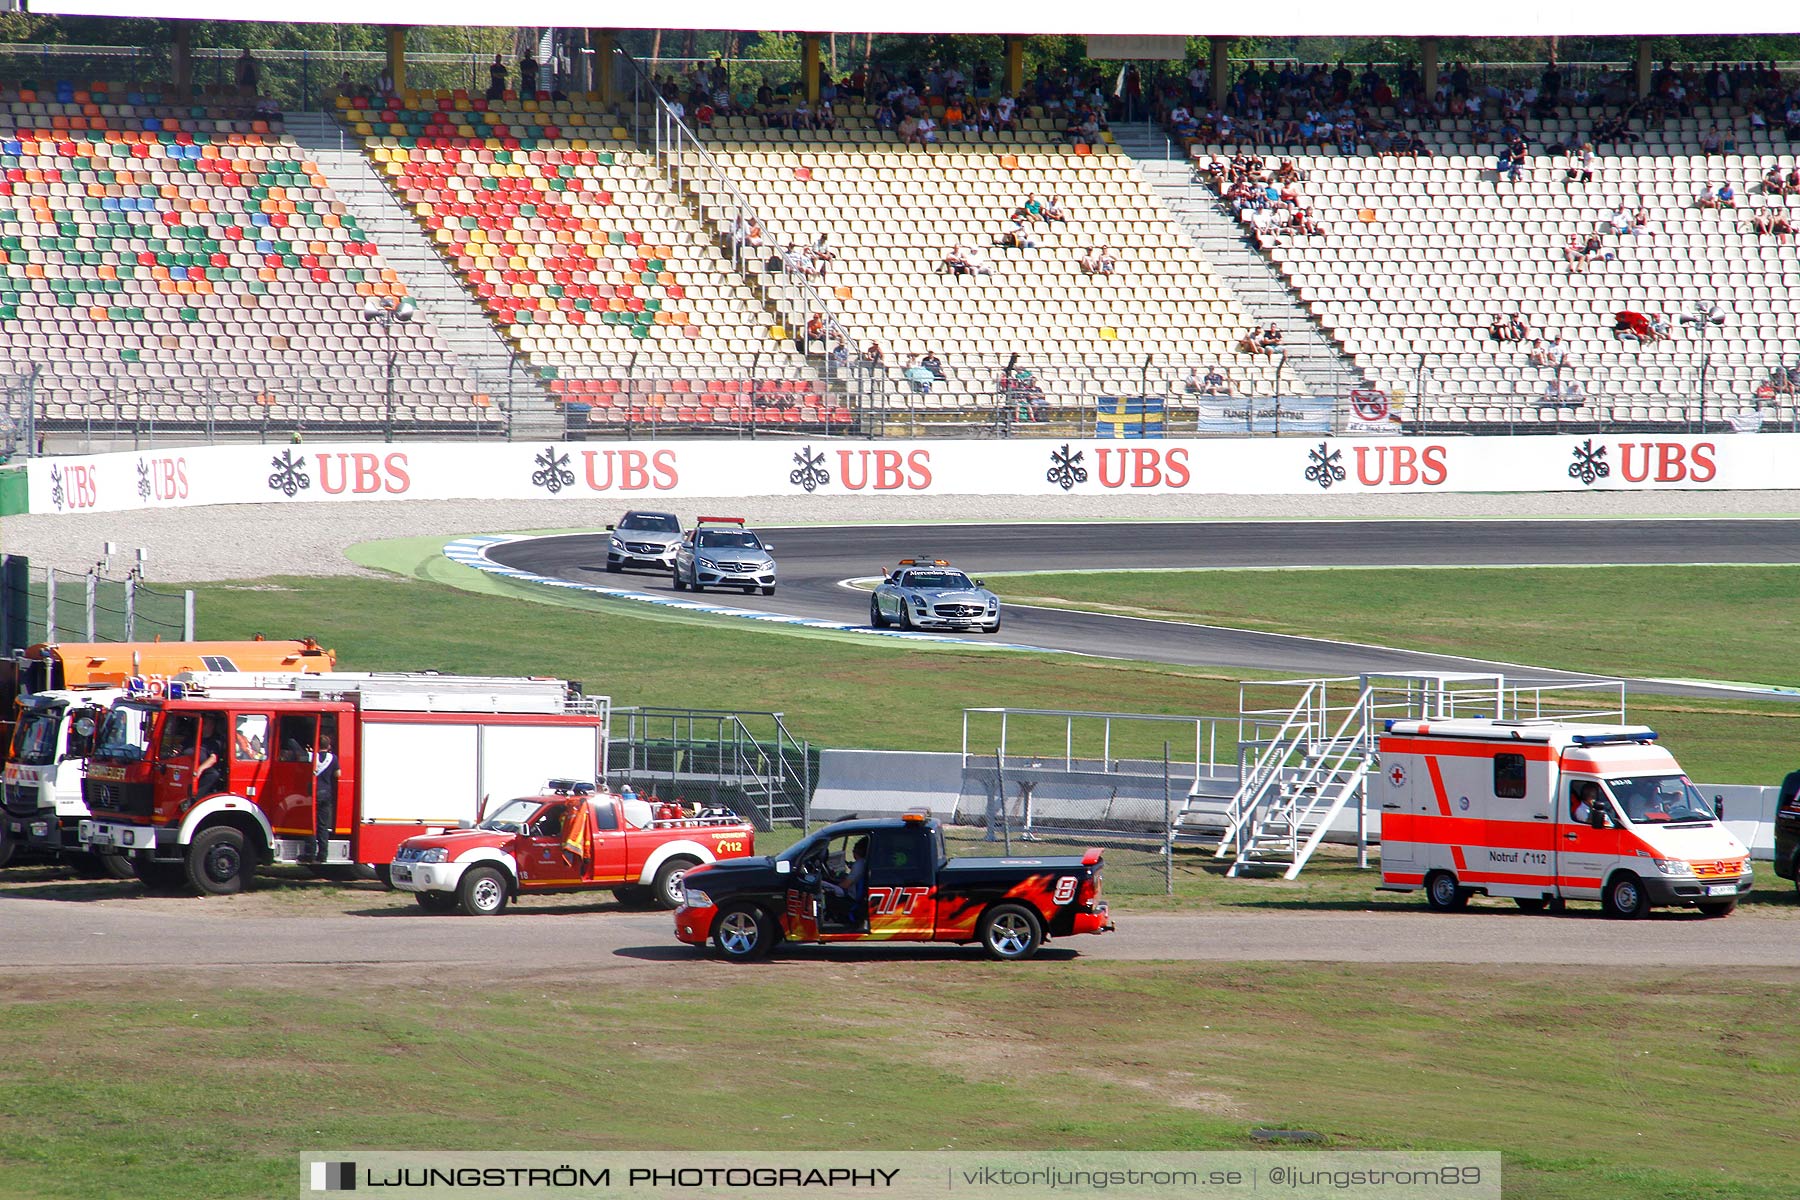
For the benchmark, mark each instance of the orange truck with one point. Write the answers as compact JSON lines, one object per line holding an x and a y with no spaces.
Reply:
{"x":54,"y":696}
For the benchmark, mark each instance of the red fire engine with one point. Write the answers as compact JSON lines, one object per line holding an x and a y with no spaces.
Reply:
{"x":202,"y":784}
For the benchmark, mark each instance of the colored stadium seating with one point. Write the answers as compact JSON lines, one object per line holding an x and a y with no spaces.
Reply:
{"x":187,"y":264}
{"x":589,"y":262}
{"x":891,"y":211}
{"x":1419,"y":255}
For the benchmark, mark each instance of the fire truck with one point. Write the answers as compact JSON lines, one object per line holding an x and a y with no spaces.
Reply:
{"x":572,"y":837}
{"x":201,"y":785}
{"x":63,"y":693}
{"x":1550,"y":812}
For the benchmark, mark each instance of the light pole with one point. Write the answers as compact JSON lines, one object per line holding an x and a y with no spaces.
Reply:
{"x":387,"y":312}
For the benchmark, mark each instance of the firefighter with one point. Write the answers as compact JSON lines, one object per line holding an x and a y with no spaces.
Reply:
{"x":325,"y":770}
{"x":209,"y":777}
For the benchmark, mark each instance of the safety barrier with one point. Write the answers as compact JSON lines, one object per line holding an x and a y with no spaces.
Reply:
{"x":652,"y":470}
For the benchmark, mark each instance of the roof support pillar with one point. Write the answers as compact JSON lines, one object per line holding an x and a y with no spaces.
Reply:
{"x":1221,"y":71}
{"x":1014,"y":81}
{"x":605,"y":42}
{"x":396,"y":56}
{"x":1643,"y":67}
{"x":809,"y":65}
{"x":1428,"y":66}
{"x":181,"y":57}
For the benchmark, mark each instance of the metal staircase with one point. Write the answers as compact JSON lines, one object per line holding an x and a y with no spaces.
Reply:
{"x":1309,"y":355}
{"x":1304,"y":773}
{"x":749,"y":762}
{"x":452,"y":310}
{"x":1306,"y":753}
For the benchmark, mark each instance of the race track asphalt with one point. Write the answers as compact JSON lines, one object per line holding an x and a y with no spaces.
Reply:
{"x":815,"y":560}
{"x":51,"y":935}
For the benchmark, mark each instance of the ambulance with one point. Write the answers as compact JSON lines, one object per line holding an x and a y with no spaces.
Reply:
{"x":1546,"y":812}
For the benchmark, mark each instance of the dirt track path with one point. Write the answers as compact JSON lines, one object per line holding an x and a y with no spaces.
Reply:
{"x":54,"y":935}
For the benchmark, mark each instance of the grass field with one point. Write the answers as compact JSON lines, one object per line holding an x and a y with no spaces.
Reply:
{"x":1731,"y":623}
{"x":1653,"y":1084}
{"x":1650,"y":1086}
{"x":838,"y":691}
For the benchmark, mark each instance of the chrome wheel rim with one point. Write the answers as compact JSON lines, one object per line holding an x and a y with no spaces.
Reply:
{"x":1011,"y":934}
{"x":673,"y":889}
{"x":488,"y":894}
{"x":737,"y":933}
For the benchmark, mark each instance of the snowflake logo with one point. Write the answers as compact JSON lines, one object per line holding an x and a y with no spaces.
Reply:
{"x":289,"y":477}
{"x":1065,"y":468}
{"x":811,"y":473}
{"x":1327,"y":466}
{"x":553,"y":474}
{"x":143,"y":480}
{"x":1590,"y":464}
{"x":56,"y":487}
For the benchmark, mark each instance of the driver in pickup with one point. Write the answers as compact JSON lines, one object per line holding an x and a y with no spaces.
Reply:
{"x":849,"y":891}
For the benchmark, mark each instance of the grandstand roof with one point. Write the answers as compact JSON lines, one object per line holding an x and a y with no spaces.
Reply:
{"x":1399,"y":18}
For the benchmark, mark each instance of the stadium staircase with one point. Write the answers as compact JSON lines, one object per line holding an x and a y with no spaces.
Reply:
{"x":458,"y":316}
{"x":747,"y":761}
{"x":1311,"y":356}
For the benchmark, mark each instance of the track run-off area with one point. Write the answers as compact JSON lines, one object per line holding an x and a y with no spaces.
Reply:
{"x":818,"y":563}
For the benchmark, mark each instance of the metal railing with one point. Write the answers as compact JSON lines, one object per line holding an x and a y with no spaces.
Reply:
{"x":748,"y":757}
{"x":1091,"y":724}
{"x":690,"y":168}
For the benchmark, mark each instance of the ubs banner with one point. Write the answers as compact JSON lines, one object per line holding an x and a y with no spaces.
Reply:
{"x":1315,"y":465}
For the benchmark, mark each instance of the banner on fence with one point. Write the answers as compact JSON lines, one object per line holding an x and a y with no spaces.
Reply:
{"x":1133,"y":417}
{"x":1305,"y":465}
{"x":1282,"y":414}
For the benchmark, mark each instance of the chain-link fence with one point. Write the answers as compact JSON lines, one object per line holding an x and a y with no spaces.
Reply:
{"x":47,"y":605}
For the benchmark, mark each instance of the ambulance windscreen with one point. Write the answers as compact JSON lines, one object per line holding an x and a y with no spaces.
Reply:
{"x":1660,"y":799}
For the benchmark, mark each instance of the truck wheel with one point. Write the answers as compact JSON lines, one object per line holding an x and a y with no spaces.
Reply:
{"x":876,"y":620}
{"x":87,"y":865}
{"x":1531,"y":904}
{"x":1011,"y":932}
{"x":218,"y":863}
{"x":482,"y":892}
{"x":436,"y":902}
{"x":743,"y":933}
{"x":1625,"y":898}
{"x":667,"y":888}
{"x":1718,"y":908}
{"x":160,"y":876}
{"x":1442,"y":894}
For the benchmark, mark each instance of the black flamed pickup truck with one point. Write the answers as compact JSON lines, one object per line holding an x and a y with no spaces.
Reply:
{"x":889,"y":880}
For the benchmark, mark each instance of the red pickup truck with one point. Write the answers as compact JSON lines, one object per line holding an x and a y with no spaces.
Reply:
{"x":571,"y":838}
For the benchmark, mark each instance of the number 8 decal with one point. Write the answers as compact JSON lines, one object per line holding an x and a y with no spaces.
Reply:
{"x":1065,"y":889}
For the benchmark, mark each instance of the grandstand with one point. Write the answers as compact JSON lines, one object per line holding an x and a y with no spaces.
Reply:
{"x":185,"y":264}
{"x":891,"y":210}
{"x":1418,"y":256}
{"x":587,"y":261}
{"x":642,"y":250}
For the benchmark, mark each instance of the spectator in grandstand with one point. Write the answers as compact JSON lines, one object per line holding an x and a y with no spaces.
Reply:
{"x":1574,"y":252}
{"x":1640,"y":222}
{"x":819,"y":256}
{"x":931,"y":362}
{"x":1054,"y":211}
{"x":1774,"y":182}
{"x":954,"y":262}
{"x":1619,"y":221}
{"x":1630,"y":325}
{"x":815,"y":332}
{"x":1712,"y":141}
{"x":1215,"y":383}
{"x":984,"y":118}
{"x":1707,"y":197}
{"x":1098,"y":261}
{"x":1581,"y":164}
{"x":1553,"y":393}
{"x":925,"y":130}
{"x":919,"y":376}
{"x":1593,"y":250}
{"x":1727,"y":195}
{"x":872,"y":358}
{"x":954,"y":116}
{"x":1015,"y":236}
{"x":1006,"y":113}
{"x":885,"y":117}
{"x":528,"y":73}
